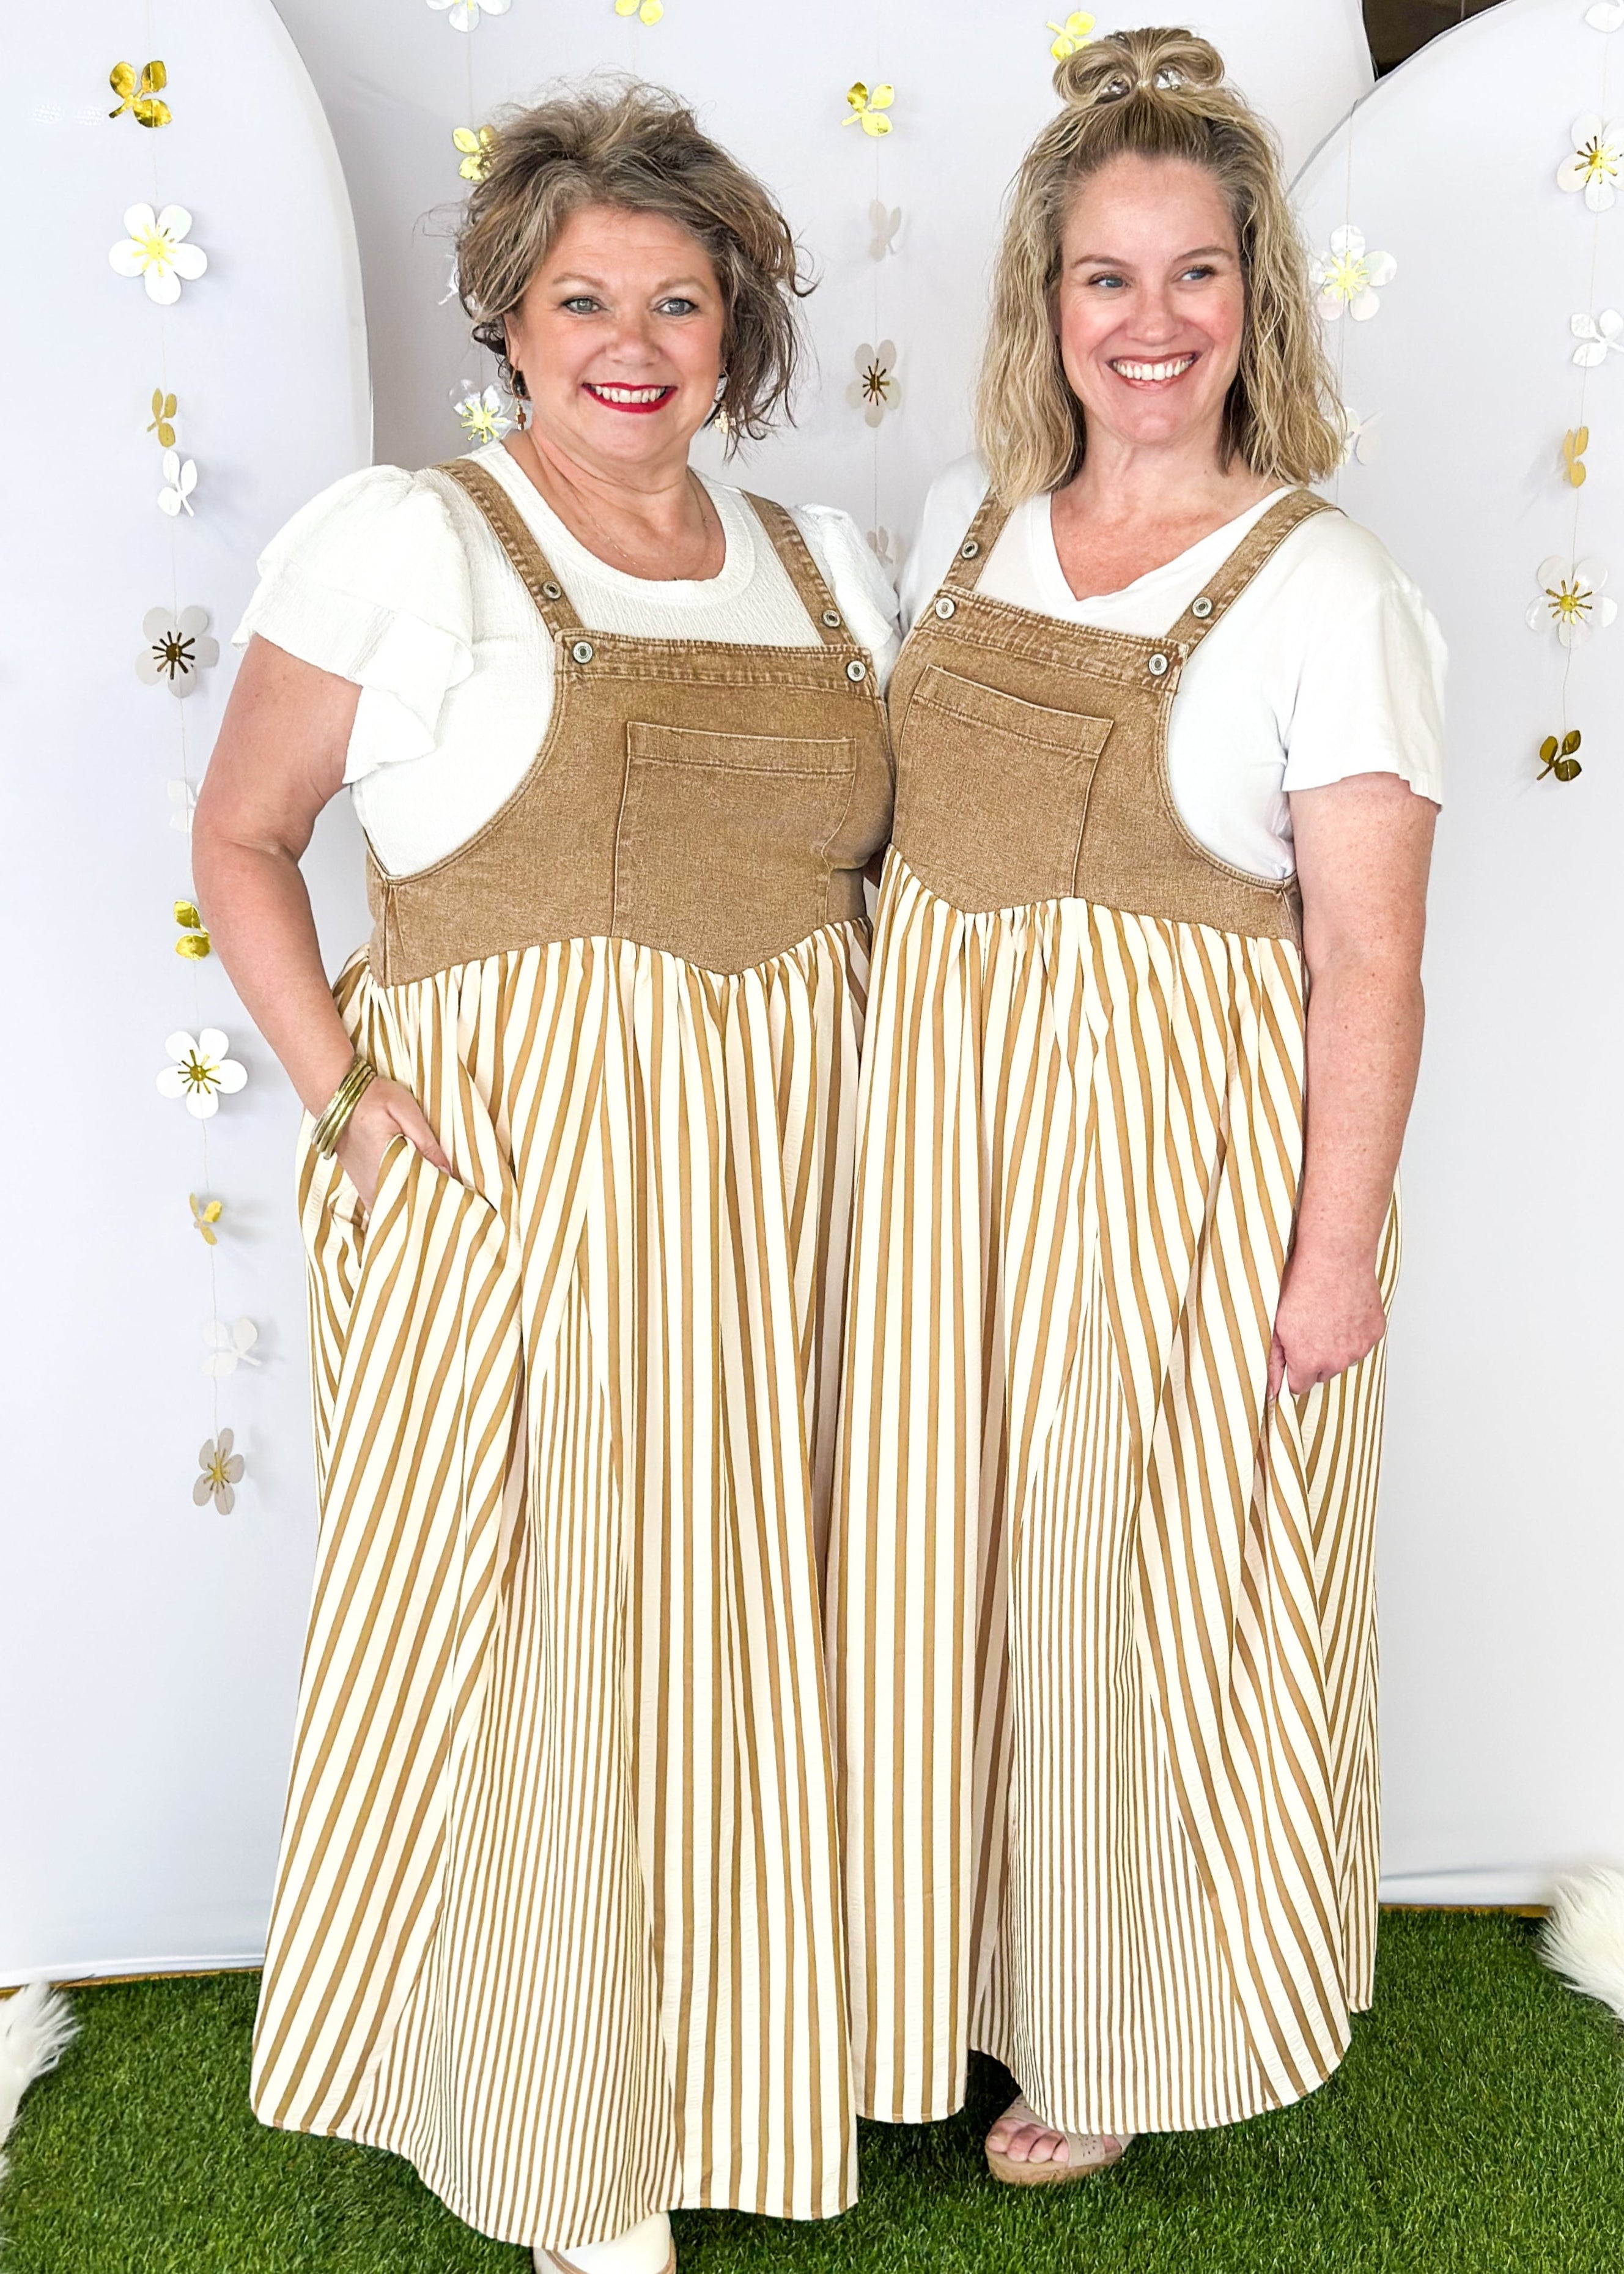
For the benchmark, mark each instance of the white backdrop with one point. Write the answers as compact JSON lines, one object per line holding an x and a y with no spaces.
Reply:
{"x":151,"y":1647}
{"x":1502,"y":1553}
{"x":149,"y":1722}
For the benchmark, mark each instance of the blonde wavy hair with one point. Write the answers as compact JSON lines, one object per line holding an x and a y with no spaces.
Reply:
{"x":619,"y":142}
{"x":1154,"y":94}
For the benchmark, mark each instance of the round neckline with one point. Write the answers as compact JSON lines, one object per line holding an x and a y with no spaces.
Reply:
{"x":565,"y":551}
{"x":1050,"y":577}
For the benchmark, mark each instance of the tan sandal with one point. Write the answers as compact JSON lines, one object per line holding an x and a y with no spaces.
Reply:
{"x":1087,"y":2153}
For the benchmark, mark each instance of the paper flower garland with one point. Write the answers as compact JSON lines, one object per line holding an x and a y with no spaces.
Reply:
{"x":646,"y":11}
{"x":876,"y":389}
{"x":194,"y":941}
{"x":868,"y":110}
{"x":178,"y":649}
{"x":465,"y":14}
{"x":1347,"y":277}
{"x":180,"y":479}
{"x":485,"y":414}
{"x":182,"y":797}
{"x":221,"y":1470}
{"x":1359,"y":441}
{"x":139,"y":95}
{"x":1606,"y":16}
{"x":1570,"y":599}
{"x":478,"y":145}
{"x":1575,"y":442}
{"x":205,"y":1215}
{"x":1597,"y":160}
{"x":229,"y":1347}
{"x":883,"y":222}
{"x":886,"y":547}
{"x":202,"y":1072}
{"x":1558,"y":757}
{"x":1598,"y":336}
{"x":164,"y":408}
{"x":154,"y":249}
{"x":1075,"y":32}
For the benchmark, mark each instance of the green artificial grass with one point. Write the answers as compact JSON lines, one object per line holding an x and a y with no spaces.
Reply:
{"x":1477,"y":2125}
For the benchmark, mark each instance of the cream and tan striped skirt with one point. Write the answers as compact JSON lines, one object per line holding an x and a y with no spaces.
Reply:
{"x":1101,"y":1631}
{"x":556,"y":1911}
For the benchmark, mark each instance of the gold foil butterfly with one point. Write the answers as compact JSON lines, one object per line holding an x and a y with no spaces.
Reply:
{"x":205,"y":1215}
{"x":1575,"y":442}
{"x":869,"y":107}
{"x":1075,"y":32}
{"x":478,"y":145}
{"x":193,"y":940}
{"x":163,"y":420}
{"x":1558,"y":757}
{"x":139,"y":96}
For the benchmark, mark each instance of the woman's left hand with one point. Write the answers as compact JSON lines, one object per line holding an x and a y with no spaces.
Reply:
{"x":1329,"y":1317}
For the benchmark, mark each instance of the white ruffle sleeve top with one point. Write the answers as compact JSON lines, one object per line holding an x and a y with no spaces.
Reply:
{"x":1330,"y":664}
{"x":396,"y":581}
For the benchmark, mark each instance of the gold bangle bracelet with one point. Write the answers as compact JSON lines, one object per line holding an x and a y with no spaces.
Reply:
{"x":333,"y":1118}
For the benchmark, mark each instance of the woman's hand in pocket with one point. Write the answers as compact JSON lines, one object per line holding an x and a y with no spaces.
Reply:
{"x":386,"y":1110}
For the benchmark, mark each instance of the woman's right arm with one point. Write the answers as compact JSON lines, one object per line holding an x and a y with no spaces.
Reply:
{"x":279,"y":759}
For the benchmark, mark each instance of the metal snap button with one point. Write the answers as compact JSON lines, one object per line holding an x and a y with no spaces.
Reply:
{"x":1202,"y":608}
{"x":831,"y":617}
{"x":583,"y":651}
{"x":946,"y":607}
{"x":553,"y":591}
{"x":968,"y":550}
{"x":1157,"y":665}
{"x":856,"y":669}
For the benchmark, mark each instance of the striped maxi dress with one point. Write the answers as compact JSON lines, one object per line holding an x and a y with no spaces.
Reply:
{"x":1100,"y":1617}
{"x":556,"y":1911}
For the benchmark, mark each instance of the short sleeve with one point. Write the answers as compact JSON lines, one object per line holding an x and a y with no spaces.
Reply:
{"x":856,"y":576}
{"x":370,"y":581}
{"x":951,"y":505}
{"x":1370,"y":692}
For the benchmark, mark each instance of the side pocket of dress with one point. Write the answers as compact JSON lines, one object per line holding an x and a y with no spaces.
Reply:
{"x":333,"y":1222}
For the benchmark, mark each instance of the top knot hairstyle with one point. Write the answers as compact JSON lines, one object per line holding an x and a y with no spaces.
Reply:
{"x":621,"y":142}
{"x":1154,"y":94}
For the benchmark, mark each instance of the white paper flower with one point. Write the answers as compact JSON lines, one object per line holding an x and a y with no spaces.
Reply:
{"x":221,"y":1470}
{"x":1598,"y":334}
{"x":182,"y":797}
{"x":180,"y":479}
{"x":465,"y":14}
{"x":229,"y":1347}
{"x":883,"y":222}
{"x":1596,"y":161}
{"x":876,"y":390}
{"x":487,"y":413}
{"x":202,"y":1072}
{"x":1347,"y":277}
{"x":154,"y":249}
{"x":1570,"y":599}
{"x":178,"y":648}
{"x":1360,"y":441}
{"x":887,"y":548}
{"x":1606,"y":16}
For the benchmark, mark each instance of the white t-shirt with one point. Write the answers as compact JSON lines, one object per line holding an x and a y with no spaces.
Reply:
{"x":1330,"y":664}
{"x":396,"y":580}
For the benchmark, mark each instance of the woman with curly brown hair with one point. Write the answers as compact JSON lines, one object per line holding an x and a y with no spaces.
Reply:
{"x":1143,"y":1031}
{"x":556,"y":1911}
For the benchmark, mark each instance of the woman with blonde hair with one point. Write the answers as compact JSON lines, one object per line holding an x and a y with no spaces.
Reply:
{"x":1143,"y":1030}
{"x":557,"y":1911}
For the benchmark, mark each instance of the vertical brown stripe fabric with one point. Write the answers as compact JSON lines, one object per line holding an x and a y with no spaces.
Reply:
{"x":1100,"y":1617}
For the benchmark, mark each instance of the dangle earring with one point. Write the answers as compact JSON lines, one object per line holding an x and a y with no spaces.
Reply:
{"x":718,"y":417}
{"x":521,"y":402}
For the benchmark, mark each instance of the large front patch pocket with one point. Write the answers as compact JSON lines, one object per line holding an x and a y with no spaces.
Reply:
{"x":992,"y":793}
{"x":722,"y":854}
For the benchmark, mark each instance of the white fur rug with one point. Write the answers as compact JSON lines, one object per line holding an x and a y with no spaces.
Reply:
{"x":1583,"y":1938}
{"x":35,"y":2026}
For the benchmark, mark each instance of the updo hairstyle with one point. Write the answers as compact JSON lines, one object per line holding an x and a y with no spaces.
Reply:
{"x":1154,"y":94}
{"x":621,"y":142}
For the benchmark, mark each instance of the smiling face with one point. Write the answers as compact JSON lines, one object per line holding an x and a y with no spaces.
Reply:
{"x":1151,"y":305}
{"x":619,"y":338}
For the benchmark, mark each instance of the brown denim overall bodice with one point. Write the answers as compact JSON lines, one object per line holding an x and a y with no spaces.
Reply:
{"x":717,"y":801}
{"x":1032,"y":755}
